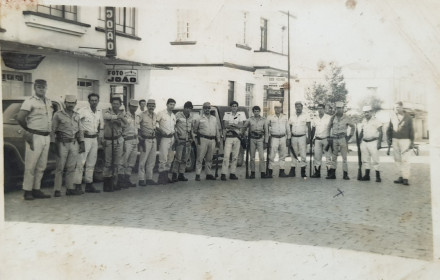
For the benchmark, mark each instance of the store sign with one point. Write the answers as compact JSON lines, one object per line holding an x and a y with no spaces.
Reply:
{"x":110,"y":31}
{"x":22,"y":61}
{"x":122,"y":76}
{"x":275,"y":88}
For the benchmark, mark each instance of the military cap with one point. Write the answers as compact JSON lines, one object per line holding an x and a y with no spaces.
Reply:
{"x":339,"y":104}
{"x":70,"y":98}
{"x":151,"y":101}
{"x":366,"y":108}
{"x":188,"y":105}
{"x":41,"y":82}
{"x":134,"y":103}
{"x":299,"y":102}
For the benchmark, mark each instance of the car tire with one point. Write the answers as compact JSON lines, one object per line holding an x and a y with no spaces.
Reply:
{"x":11,"y":172}
{"x":98,"y":173}
{"x":191,"y":162}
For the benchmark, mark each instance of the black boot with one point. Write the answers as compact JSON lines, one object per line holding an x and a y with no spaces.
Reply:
{"x":182,"y":177}
{"x":197,"y":177}
{"x":91,"y":189}
{"x":174,"y":178}
{"x":233,"y":177}
{"x":28,"y":195}
{"x":263,"y":175}
{"x":128,"y":182}
{"x":252,"y":175}
{"x":223,"y":177}
{"x":269,"y":176}
{"x":367,"y":175}
{"x":328,"y":171}
{"x":118,"y":182}
{"x":292,"y":172}
{"x":398,"y":181}
{"x":282,"y":174}
{"x":331,"y":174}
{"x":405,"y":182}
{"x":303,"y":172}
{"x":346,"y":176}
{"x":378,"y":177}
{"x":142,"y":183}
{"x":78,"y":188}
{"x":107,"y":184}
{"x":317,"y":173}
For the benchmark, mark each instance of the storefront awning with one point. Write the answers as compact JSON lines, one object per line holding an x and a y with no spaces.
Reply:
{"x":15,"y":47}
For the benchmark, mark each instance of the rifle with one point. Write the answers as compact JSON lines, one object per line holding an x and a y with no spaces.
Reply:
{"x":359,"y":177}
{"x":248,"y":144}
{"x":216,"y":162}
{"x":113,"y":157}
{"x":293,"y":152}
{"x":267,"y":156}
{"x":311,"y":132}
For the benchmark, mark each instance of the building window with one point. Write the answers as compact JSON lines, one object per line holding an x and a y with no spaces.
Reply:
{"x":125,"y":19}
{"x":263,"y":32}
{"x":85,"y":87}
{"x":249,"y":97}
{"x":245,"y":23}
{"x":16,"y":84}
{"x":61,"y":11}
{"x":185,"y":28}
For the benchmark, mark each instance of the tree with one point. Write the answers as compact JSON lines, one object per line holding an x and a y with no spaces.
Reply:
{"x":316,"y":94}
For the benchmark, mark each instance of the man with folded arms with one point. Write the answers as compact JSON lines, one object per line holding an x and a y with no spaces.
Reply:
{"x":147,"y":144}
{"x":66,"y":142}
{"x":35,"y":116}
{"x":92,"y":123}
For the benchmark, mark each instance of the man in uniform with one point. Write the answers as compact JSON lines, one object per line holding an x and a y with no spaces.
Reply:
{"x":167,"y":122}
{"x":320,"y":124}
{"x":401,"y":132}
{"x":233,"y":123}
{"x":300,"y":127}
{"x":370,"y":138}
{"x":147,"y":144}
{"x":130,"y":135}
{"x":67,"y":140}
{"x":277,"y":128}
{"x":208,"y":138}
{"x":35,"y":116}
{"x":339,"y":140}
{"x":92,"y":123}
{"x":184,"y":139}
{"x":113,"y":144}
{"x":256,"y":125}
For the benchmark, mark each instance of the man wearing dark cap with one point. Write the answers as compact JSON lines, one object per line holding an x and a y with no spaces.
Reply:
{"x":167,"y":122}
{"x":113,"y":144}
{"x":35,"y":116}
{"x":184,"y":139}
{"x":130,"y":135}
{"x":147,"y":144}
{"x":67,"y":140}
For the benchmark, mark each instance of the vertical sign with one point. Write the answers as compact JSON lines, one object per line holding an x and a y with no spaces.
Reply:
{"x":110,"y":32}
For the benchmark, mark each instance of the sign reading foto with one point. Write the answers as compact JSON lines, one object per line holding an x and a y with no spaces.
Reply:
{"x":110,"y":31}
{"x":122,"y":76}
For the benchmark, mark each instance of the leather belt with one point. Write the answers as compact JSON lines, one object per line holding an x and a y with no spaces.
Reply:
{"x":90,"y":135}
{"x":130,"y":137}
{"x":340,"y":136}
{"x":168,"y":135}
{"x":38,"y":132}
{"x":66,"y":140}
{"x":231,"y":136}
{"x":256,"y":137}
{"x":278,"y":136}
{"x":319,"y":138}
{"x":114,"y":138}
{"x":148,"y":137}
{"x":298,"y":135}
{"x":370,"y":140}
{"x":207,"y":137}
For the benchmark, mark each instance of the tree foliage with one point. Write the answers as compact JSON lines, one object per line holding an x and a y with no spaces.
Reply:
{"x":371,"y":100}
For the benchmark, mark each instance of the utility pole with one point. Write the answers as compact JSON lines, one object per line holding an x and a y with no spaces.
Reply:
{"x":288,"y":64}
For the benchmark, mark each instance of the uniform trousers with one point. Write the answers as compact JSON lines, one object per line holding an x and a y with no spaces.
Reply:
{"x":277,"y":145}
{"x":402,"y":156}
{"x":257,"y":145}
{"x":370,"y":155}
{"x":117,"y":152}
{"x":320,"y":146}
{"x":205,"y":151}
{"x":68,"y":157}
{"x":299,"y":145}
{"x":166,"y":153}
{"x":339,"y":144}
{"x":129,"y":156}
{"x":232,"y":149}
{"x":35,"y":162}
{"x":183,"y":150}
{"x":147,"y":159}
{"x":88,"y":158}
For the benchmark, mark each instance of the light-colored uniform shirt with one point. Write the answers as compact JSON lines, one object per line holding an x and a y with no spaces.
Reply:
{"x":256,"y":124}
{"x":278,"y":125}
{"x":111,"y":122}
{"x":370,"y":127}
{"x":238,"y":118}
{"x":206,"y":125}
{"x":65,"y":126}
{"x":299,"y":123}
{"x":166,"y":121}
{"x":321,"y":125}
{"x":40,"y":113}
{"x":91,"y":121}
{"x":147,"y":123}
{"x":339,"y":126}
{"x":184,"y":125}
{"x":130,"y":129}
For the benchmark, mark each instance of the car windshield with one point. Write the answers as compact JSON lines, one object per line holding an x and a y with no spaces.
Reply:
{"x":10,"y":113}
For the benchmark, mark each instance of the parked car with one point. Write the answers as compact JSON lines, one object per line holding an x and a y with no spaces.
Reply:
{"x":14,"y":147}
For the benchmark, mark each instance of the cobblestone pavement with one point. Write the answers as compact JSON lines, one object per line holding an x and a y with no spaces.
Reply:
{"x":382,"y":218}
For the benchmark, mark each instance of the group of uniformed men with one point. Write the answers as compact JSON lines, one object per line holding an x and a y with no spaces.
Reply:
{"x":73,"y":136}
